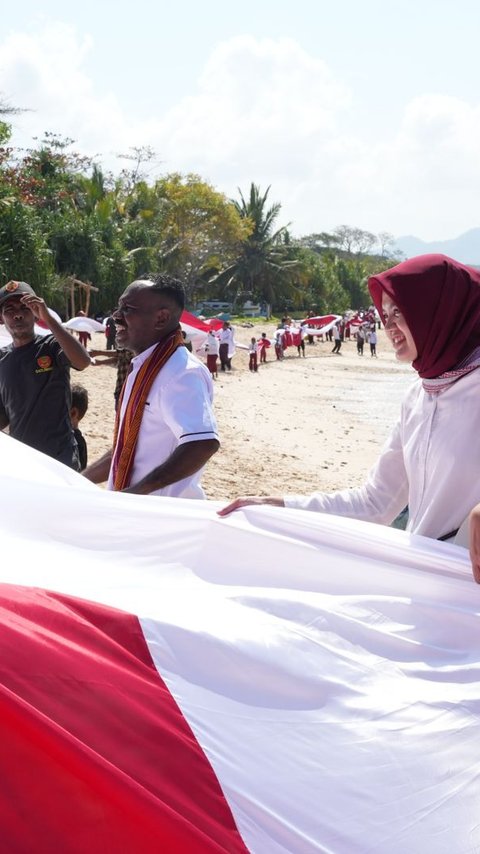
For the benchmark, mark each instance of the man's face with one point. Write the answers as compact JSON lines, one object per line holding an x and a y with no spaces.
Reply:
{"x":143,"y":318}
{"x":18,"y":319}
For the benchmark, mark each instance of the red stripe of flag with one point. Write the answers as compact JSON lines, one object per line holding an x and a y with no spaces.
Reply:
{"x":96,"y":755}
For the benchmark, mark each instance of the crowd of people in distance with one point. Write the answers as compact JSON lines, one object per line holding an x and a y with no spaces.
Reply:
{"x":166,"y":431}
{"x":367,"y":334}
{"x":362,"y":326}
{"x":220,"y":345}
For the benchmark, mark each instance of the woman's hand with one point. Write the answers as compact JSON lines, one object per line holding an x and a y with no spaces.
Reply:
{"x":249,"y":500}
{"x":474,"y":542}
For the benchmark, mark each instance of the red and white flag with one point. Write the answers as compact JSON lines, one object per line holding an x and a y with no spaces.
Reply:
{"x":320,"y":324}
{"x":276,"y":681}
{"x":195,"y":329}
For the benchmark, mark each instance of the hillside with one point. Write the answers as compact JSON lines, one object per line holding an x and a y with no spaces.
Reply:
{"x":465,"y":248}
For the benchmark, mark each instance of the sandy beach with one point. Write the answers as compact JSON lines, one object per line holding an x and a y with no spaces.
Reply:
{"x":295,"y":426}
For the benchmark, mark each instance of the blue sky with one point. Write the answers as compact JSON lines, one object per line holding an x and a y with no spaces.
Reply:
{"x":365,"y":114}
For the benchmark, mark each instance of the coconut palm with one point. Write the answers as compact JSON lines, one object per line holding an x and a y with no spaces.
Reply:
{"x":262,"y":268}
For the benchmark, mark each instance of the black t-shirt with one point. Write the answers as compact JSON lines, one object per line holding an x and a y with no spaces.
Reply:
{"x":35,"y":397}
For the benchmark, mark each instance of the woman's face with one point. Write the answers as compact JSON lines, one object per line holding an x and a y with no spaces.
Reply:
{"x":398,"y":331}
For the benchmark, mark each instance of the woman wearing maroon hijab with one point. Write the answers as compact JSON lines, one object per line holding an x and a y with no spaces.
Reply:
{"x":430,"y":306}
{"x":440,"y":301}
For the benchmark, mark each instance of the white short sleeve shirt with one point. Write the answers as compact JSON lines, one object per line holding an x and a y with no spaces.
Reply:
{"x":178,"y":410}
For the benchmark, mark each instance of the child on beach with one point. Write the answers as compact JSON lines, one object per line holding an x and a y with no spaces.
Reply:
{"x":338,"y":339}
{"x":253,"y":353}
{"x":83,"y":335}
{"x":77,"y":411}
{"x":263,"y":344}
{"x":360,"y":340}
{"x":301,"y":340}
{"x":212,"y":345}
{"x":279,"y":344}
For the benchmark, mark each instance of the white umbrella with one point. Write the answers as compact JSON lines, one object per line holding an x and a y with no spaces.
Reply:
{"x":84,"y":324}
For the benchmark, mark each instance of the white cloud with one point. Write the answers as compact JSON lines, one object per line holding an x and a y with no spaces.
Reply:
{"x":259,"y":108}
{"x":429,"y":168}
{"x":47,"y":74}
{"x":266,"y":110}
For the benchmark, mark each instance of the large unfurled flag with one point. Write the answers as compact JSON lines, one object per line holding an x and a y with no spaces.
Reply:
{"x":276,"y":681}
{"x":195,"y":329}
{"x":320,"y":324}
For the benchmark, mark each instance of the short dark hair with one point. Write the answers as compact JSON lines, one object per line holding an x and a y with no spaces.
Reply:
{"x":164,"y":284}
{"x":80,"y":399}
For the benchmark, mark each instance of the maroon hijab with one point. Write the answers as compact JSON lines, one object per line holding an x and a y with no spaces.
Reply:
{"x":440,"y":300}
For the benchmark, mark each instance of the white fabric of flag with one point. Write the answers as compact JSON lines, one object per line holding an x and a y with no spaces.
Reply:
{"x":329,"y":669}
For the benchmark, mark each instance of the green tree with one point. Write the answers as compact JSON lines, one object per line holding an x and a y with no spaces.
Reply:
{"x":198,"y":229}
{"x":24,"y":251}
{"x":62,"y":216}
{"x":262,"y":268}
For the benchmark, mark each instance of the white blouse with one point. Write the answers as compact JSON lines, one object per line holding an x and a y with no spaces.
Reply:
{"x":430,"y":462}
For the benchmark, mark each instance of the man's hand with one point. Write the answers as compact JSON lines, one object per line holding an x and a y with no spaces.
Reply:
{"x":38,"y":307}
{"x":74,"y":351}
{"x":98,"y":471}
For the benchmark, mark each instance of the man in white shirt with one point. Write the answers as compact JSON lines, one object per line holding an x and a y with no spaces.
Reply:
{"x":166,"y":430}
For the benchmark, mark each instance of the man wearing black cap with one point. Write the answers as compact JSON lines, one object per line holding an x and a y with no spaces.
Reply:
{"x":35,"y":396}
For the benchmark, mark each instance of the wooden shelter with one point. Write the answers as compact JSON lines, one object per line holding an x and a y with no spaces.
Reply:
{"x":82,"y":290}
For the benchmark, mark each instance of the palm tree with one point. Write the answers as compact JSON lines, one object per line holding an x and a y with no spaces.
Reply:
{"x":261,"y":269}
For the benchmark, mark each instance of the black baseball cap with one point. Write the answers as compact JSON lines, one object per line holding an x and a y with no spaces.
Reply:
{"x":15,"y":289}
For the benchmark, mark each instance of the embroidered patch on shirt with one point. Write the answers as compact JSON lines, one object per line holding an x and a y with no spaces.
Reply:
{"x":45,"y":363}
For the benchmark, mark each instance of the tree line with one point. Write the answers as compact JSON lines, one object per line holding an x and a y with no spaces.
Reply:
{"x":62,"y":215}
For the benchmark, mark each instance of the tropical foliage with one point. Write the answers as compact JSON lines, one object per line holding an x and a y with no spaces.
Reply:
{"x":62,"y":216}
{"x":263,"y":268}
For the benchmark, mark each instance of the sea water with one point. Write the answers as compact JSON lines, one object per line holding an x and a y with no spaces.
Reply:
{"x":377,"y":400}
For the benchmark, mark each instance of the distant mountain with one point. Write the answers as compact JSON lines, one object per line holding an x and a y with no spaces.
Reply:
{"x":465,"y":248}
